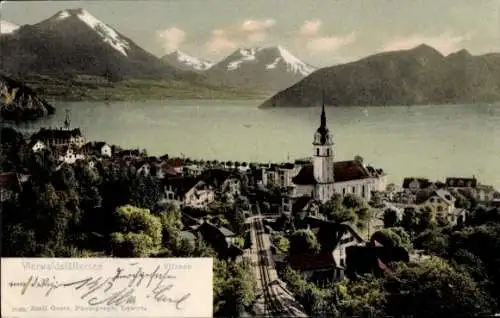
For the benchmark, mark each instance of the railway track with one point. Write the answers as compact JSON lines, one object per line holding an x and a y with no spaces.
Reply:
{"x":274,"y":305}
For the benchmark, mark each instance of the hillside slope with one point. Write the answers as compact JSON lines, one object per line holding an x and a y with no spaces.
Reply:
{"x":411,"y":77}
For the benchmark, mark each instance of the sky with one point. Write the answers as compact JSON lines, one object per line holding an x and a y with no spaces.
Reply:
{"x":319,"y":32}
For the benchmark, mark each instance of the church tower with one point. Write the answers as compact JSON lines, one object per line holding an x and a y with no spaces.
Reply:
{"x":323,"y":160}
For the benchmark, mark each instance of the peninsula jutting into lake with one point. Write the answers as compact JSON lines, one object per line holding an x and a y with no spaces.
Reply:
{"x":316,"y":158}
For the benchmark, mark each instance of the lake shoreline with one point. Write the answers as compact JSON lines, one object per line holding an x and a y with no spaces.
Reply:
{"x":432,"y":141}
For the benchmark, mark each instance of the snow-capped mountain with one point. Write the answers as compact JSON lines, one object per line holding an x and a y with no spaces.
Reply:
{"x":7,"y":27}
{"x":184,"y":61}
{"x":74,"y":41}
{"x":268,"y":68}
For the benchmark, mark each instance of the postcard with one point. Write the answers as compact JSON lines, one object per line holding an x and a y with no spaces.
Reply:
{"x":106,"y":287}
{"x":288,"y":158}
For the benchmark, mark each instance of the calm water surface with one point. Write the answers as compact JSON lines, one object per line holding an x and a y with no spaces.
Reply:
{"x":428,"y":141}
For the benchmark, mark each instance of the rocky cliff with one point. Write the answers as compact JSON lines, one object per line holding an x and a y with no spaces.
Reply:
{"x":18,"y":102}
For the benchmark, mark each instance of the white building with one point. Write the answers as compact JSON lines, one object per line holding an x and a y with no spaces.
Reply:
{"x":71,"y":155}
{"x":323,"y":177}
{"x":188,"y":192}
{"x":106,"y":150}
{"x":38,"y":146}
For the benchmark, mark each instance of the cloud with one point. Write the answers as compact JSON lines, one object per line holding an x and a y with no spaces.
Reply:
{"x":171,"y":38}
{"x":248,"y":32}
{"x":310,"y":27}
{"x":220,"y":42}
{"x":446,"y":42}
{"x":257,"y":25}
{"x":322,"y":44}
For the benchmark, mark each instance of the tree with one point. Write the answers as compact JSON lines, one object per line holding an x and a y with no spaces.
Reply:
{"x":390,"y":218}
{"x":132,"y":245}
{"x":352,"y":201}
{"x":234,"y":288}
{"x":333,"y":205}
{"x":445,"y":291}
{"x":171,"y":224}
{"x":303,"y":241}
{"x":344,"y":215}
{"x":365,"y":297}
{"x":433,"y":242}
{"x":388,"y":238}
{"x":139,"y":233}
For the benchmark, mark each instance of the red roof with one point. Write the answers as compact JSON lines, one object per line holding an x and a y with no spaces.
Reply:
{"x":349,"y":170}
{"x":305,"y":262}
{"x":343,"y":171}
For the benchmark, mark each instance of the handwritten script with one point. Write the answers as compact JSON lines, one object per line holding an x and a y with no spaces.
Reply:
{"x":128,"y":287}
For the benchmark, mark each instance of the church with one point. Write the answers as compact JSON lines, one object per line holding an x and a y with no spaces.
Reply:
{"x":322,"y":176}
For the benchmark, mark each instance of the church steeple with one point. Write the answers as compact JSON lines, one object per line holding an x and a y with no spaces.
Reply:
{"x":323,"y":159}
{"x":67,"y":121}
{"x":323,"y":114}
{"x":322,"y":135}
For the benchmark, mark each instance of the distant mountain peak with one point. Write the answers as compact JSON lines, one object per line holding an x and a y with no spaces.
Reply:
{"x":108,"y":34}
{"x":179,"y":58}
{"x":462,"y":52}
{"x":7,"y":27}
{"x":425,"y":49}
{"x":278,"y":54}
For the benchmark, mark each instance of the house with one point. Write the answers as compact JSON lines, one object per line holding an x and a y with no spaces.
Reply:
{"x":106,"y":150}
{"x":188,"y":191}
{"x":169,"y":168}
{"x":461,"y":182}
{"x":100,"y":148}
{"x":70,"y":154}
{"x":304,"y":206}
{"x":414,"y":184}
{"x":220,"y":239}
{"x":485,"y":193}
{"x":372,"y":258}
{"x":143,"y":168}
{"x":442,"y":201}
{"x":315,"y":267}
{"x":60,"y":137}
{"x":334,"y":238}
{"x":193,"y":170}
{"x":280,"y":175}
{"x":37,"y":145}
{"x":223,"y":181}
{"x":10,"y":185}
{"x":128,"y":154}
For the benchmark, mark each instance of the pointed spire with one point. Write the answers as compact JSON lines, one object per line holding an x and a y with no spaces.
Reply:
{"x":67,"y":121}
{"x":323,"y":114}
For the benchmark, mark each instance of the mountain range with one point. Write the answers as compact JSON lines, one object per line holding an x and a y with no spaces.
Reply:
{"x":75,"y":42}
{"x":265,"y":69}
{"x":417,"y":76}
{"x":83,"y":57}
{"x":186,"y":62}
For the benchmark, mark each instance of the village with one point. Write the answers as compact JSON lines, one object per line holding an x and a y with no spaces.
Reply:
{"x":290,"y":197}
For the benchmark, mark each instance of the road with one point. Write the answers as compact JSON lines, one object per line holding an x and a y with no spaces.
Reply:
{"x":275,"y":300}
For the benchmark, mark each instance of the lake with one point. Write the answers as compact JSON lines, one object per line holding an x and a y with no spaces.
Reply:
{"x":427,"y":141}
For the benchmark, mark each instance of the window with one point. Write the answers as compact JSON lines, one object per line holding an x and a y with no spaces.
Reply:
{"x":317,"y":151}
{"x":353,"y":189}
{"x":328,"y":152}
{"x":343,"y":191}
{"x":363,"y":191}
